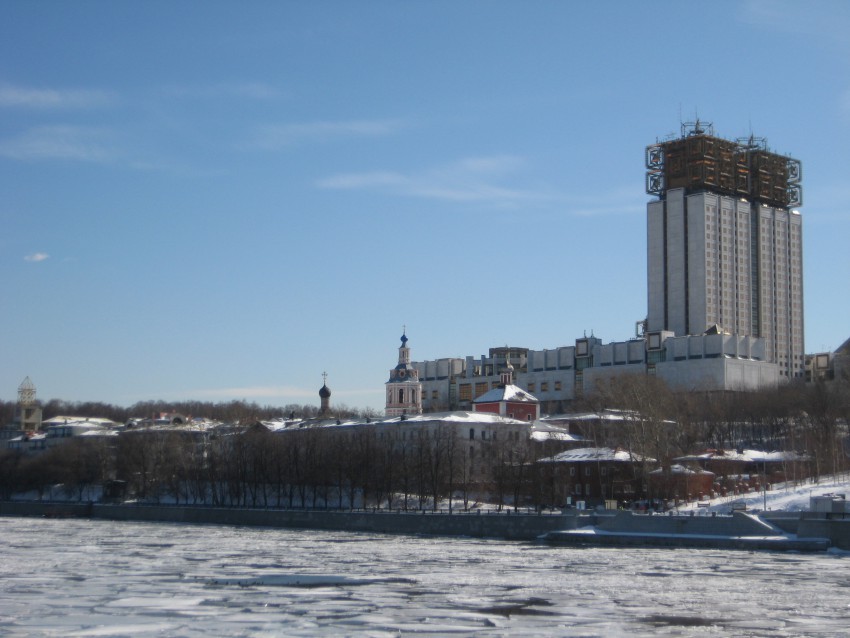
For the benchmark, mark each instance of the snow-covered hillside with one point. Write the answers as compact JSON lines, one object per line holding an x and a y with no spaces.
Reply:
{"x":788,"y":497}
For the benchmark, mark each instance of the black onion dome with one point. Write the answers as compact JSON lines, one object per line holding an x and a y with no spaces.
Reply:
{"x":324,"y":392}
{"x":403,"y":340}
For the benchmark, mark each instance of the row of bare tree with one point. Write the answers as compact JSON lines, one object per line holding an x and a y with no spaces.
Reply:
{"x":810,"y":419}
{"x":353,"y":467}
{"x":367,"y":466}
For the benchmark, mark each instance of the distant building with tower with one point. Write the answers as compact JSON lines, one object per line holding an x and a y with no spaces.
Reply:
{"x":724,"y":287}
{"x":404,"y":391}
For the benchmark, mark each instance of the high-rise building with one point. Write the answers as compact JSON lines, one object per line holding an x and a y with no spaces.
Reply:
{"x":725,"y":287}
{"x":724,"y":247}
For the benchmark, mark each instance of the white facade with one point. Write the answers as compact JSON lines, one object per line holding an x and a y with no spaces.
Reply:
{"x":714,"y":259}
{"x":781,"y":288}
{"x":557,"y":376}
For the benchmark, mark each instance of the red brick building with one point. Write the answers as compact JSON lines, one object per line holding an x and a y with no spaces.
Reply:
{"x":508,"y":400}
{"x":679,"y":483}
{"x":595,"y":475}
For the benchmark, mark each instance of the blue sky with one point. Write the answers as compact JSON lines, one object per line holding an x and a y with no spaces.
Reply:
{"x":221,"y":200}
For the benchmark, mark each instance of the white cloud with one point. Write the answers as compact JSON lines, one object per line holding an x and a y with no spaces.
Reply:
{"x":610,"y":208}
{"x":58,"y":142}
{"x":276,"y":136}
{"x":485,"y":179}
{"x":614,"y":201}
{"x":37,"y":257}
{"x":17,"y":96}
{"x":471,"y":179}
{"x":493,"y":164}
{"x":355,"y":181}
{"x":250,"y":90}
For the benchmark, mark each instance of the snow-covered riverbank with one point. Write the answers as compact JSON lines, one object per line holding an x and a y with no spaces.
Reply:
{"x":786,"y":497}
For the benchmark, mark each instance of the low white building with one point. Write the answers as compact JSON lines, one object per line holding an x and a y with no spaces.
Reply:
{"x":712,"y":361}
{"x":475,"y":435}
{"x":60,"y":429}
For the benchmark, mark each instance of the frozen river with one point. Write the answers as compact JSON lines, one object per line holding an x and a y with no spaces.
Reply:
{"x":96,"y":578}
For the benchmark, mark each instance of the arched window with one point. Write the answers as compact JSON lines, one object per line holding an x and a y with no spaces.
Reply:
{"x":401,"y":396}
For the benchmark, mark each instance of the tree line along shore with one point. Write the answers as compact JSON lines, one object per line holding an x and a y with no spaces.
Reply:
{"x":322,"y":462}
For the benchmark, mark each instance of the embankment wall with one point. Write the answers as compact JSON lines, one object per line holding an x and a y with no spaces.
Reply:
{"x":836,"y":530}
{"x":505,"y":525}
{"x":739,"y":524}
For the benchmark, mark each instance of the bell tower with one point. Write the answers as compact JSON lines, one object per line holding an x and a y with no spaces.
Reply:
{"x":27,"y":410}
{"x":404,"y":391}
